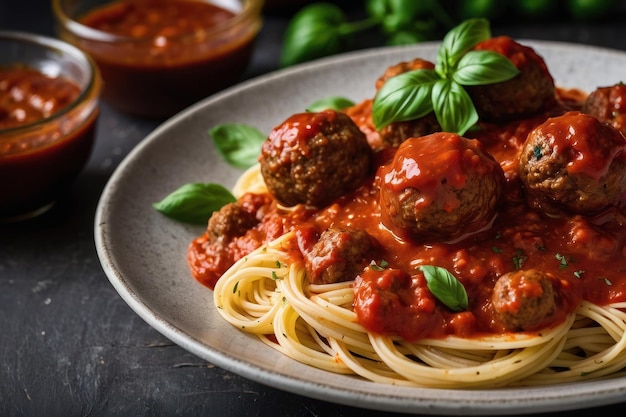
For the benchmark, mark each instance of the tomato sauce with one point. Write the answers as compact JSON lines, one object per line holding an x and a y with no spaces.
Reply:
{"x":166,"y":54}
{"x":586,"y":254}
{"x":40,"y":154}
{"x":27,"y":96}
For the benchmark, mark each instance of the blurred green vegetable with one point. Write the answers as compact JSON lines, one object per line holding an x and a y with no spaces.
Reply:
{"x":489,"y":9}
{"x":317,"y":30}
{"x":590,"y":9}
{"x":536,"y":9}
{"x":322,"y":29}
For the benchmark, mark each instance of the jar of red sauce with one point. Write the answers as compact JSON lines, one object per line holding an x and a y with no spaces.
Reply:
{"x":159,"y":56}
{"x":49,"y":92}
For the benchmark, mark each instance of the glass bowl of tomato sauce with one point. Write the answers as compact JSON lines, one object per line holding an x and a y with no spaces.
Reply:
{"x":157,"y":57}
{"x":49,"y":93}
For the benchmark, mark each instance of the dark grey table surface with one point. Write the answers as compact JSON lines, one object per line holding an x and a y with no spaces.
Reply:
{"x":70,"y":346}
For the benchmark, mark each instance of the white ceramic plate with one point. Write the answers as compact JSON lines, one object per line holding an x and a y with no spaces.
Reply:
{"x":143,"y":252}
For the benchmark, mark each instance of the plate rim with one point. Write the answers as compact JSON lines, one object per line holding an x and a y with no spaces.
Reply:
{"x":579,"y":395}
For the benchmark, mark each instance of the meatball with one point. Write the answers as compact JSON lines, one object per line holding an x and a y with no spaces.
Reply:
{"x":522,"y":95}
{"x":395,"y":133}
{"x":339,"y":255}
{"x":231,"y":221}
{"x":608,"y":104}
{"x":523,"y":299}
{"x":314,"y":158}
{"x":440,"y":187}
{"x":393,"y":302}
{"x":573,"y":163}
{"x":403,"y":67}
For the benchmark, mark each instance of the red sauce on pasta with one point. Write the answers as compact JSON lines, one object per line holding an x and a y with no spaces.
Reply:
{"x":584,"y":253}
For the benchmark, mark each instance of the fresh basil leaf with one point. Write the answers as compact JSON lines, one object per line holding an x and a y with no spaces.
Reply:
{"x":458,"y":41}
{"x":404,"y":97}
{"x":334,"y":103}
{"x":484,"y":67}
{"x":315,"y":31}
{"x":453,"y":107}
{"x":238,"y":144}
{"x":445,"y":287}
{"x":194,"y":202}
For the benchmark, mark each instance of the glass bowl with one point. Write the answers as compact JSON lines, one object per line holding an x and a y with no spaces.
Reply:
{"x":159,"y":56}
{"x":49,"y":92}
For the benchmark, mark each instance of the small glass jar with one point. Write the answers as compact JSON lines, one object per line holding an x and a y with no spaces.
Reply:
{"x":49,"y":92}
{"x":159,"y":56}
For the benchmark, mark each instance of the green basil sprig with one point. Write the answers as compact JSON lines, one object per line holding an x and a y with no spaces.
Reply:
{"x":194,"y":202}
{"x":445,"y":287}
{"x":414,"y":94}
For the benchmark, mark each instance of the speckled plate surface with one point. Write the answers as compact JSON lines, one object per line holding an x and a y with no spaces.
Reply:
{"x":143,"y":253}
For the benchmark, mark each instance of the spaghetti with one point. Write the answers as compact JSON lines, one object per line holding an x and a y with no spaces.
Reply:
{"x":316,"y":325}
{"x":543,"y":307}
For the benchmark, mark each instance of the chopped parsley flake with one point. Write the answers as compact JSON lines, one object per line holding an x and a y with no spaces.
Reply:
{"x":379,"y":267}
{"x":563,"y":261}
{"x":518,"y":259}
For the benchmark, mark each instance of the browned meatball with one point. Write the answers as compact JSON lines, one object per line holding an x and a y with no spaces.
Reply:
{"x":314,"y":158}
{"x":573,"y":163}
{"x":440,"y":187}
{"x":395,"y":133}
{"x":339,"y":255}
{"x":522,"y":95}
{"x":403,"y":67}
{"x":608,"y":104}
{"x":523,"y":299}
{"x":231,"y":221}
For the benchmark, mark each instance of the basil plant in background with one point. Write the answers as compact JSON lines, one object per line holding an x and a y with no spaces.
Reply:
{"x":322,"y":29}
